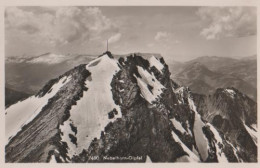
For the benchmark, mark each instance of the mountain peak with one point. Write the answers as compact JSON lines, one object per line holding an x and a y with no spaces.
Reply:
{"x":108,"y":53}
{"x":117,"y":108}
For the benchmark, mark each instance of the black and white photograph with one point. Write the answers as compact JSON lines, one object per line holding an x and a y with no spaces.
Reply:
{"x":130,"y":84}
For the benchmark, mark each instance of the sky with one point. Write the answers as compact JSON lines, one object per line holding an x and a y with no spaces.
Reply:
{"x":177,"y":33}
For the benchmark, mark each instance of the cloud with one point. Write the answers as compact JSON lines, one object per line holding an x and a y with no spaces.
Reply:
{"x":150,"y":45}
{"x":221,"y":22}
{"x":115,"y":38}
{"x":49,"y":59}
{"x":161,"y":36}
{"x":164,"y":39}
{"x":58,"y":25}
{"x":177,"y":42}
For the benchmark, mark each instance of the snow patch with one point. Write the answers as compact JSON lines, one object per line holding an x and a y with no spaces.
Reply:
{"x":180,"y":92}
{"x":188,"y":127}
{"x":215,"y":132}
{"x":178,"y":125}
{"x":184,"y":158}
{"x":230,"y":92}
{"x":200,"y":139}
{"x":49,"y":59}
{"x":220,"y":154}
{"x":53,"y":159}
{"x":25,"y":111}
{"x":195,"y":151}
{"x":148,"y":159}
{"x":254,"y":126}
{"x":121,"y":81}
{"x":252,"y":133}
{"x":148,"y":79}
{"x":156,"y":63}
{"x":90,"y":115}
{"x":235,"y":151}
{"x":192,"y":157}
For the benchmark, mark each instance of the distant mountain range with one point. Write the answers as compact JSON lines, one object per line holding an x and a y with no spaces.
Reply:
{"x":12,"y":96}
{"x":29,"y":74}
{"x":205,"y":74}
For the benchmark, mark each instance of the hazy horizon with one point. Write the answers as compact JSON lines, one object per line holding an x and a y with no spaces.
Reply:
{"x":172,"y":57}
{"x":177,"y":33}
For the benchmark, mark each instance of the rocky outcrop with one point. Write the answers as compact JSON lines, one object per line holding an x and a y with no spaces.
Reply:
{"x":40,"y":138}
{"x":233,"y":114}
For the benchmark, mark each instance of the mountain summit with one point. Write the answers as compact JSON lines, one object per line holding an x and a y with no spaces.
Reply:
{"x":129,"y":110}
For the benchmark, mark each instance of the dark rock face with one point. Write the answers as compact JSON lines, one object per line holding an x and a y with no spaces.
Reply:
{"x":231,"y":111}
{"x":165,"y":129}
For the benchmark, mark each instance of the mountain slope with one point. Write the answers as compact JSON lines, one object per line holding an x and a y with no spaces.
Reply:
{"x":116,"y":110}
{"x":214,"y":63}
{"x":245,"y":69}
{"x":205,"y":81}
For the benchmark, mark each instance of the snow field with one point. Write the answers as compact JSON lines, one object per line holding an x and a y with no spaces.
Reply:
{"x":156,"y":63}
{"x":90,"y":115}
{"x":200,"y":139}
{"x":25,"y":111}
